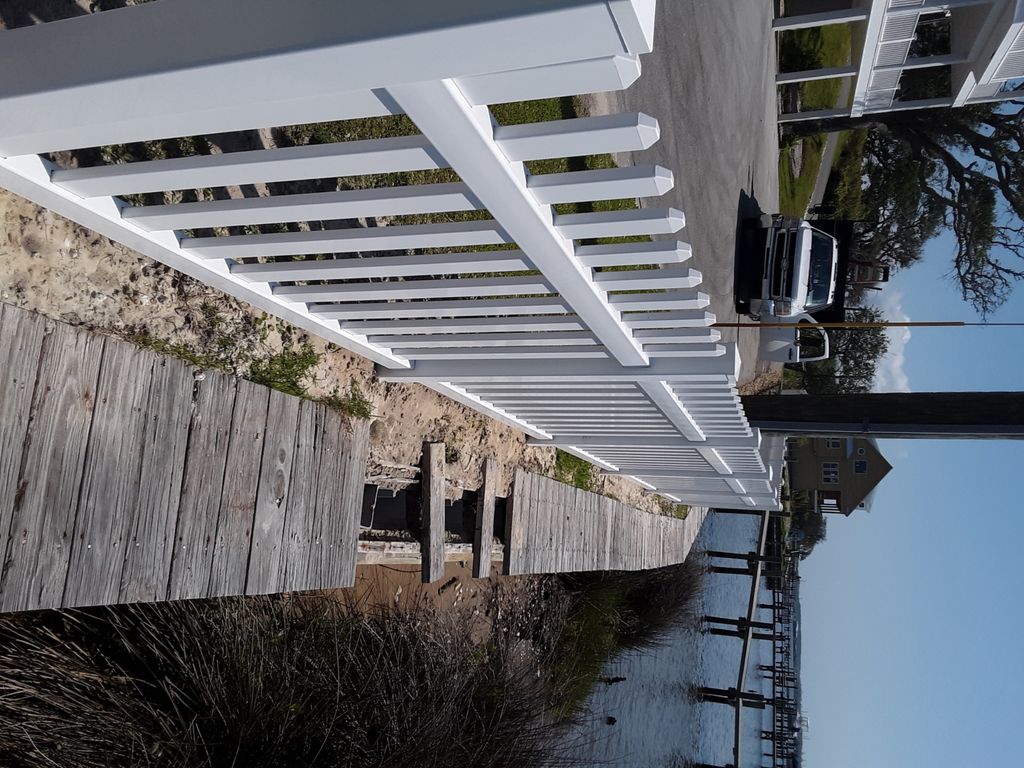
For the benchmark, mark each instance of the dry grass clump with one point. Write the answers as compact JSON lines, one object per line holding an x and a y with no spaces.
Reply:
{"x":268,"y":682}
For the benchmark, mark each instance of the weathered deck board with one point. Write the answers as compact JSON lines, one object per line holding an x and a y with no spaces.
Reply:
{"x":357,"y":452}
{"x":204,"y":472}
{"x":107,"y":498}
{"x":267,"y":557}
{"x":151,"y":531}
{"x":21,"y":346}
{"x":128,"y":476}
{"x":238,"y":496}
{"x":47,"y":496}
{"x":556,"y":528}
{"x":300,"y":517}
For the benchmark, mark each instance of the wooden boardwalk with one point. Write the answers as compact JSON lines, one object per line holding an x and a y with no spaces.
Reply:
{"x":552,"y":527}
{"x":128,"y":476}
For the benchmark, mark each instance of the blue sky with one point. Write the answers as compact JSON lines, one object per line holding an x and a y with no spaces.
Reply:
{"x":912,"y":649}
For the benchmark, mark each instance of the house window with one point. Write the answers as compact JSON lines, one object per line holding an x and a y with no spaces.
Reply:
{"x":833,"y":442}
{"x":830,"y":472}
{"x":860,"y":467}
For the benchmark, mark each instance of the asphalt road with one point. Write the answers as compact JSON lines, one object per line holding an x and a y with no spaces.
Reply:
{"x":710,"y":82}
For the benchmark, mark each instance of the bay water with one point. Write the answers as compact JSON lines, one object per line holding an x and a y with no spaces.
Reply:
{"x":650,"y":719}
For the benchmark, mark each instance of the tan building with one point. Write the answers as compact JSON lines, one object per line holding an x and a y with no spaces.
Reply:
{"x":835,"y":474}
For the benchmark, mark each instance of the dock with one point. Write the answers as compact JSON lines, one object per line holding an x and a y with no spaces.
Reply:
{"x":127,"y":475}
{"x":557,"y":528}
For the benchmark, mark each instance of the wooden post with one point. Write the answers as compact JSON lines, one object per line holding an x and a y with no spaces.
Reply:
{"x":740,"y":622}
{"x":483,"y":530}
{"x":432,"y":511}
{"x":732,"y":571}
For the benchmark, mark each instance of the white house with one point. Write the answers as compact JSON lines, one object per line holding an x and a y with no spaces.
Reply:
{"x":984,"y":60}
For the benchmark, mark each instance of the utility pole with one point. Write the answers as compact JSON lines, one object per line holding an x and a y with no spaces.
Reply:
{"x":971,"y":415}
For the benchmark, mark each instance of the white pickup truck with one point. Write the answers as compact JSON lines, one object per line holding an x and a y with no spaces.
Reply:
{"x":798,"y":267}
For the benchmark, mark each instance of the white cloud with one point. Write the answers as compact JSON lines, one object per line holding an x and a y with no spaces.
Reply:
{"x":890,"y":375}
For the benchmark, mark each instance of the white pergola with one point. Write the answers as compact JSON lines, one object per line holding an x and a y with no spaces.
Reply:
{"x":985,"y":60}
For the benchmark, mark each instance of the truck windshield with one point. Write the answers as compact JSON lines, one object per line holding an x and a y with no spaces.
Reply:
{"x":819,"y":282}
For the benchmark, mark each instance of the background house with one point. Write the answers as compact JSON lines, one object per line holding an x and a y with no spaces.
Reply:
{"x":909,"y":54}
{"x":834,"y":474}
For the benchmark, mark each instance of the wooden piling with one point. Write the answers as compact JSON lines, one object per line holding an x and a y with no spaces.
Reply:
{"x":432,"y":511}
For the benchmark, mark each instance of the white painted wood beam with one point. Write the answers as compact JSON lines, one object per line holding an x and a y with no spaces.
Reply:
{"x":684,"y":350}
{"x":316,"y":161}
{"x":604,"y":134}
{"x":478,"y":325}
{"x":673,"y":410}
{"x":449,"y":234}
{"x":317,"y":206}
{"x":535,"y":352}
{"x":588,"y":441}
{"x":719,"y":370}
{"x":680,"y":318}
{"x":627,"y":223}
{"x":525,"y":305}
{"x":495,"y":341}
{"x":415,"y":289}
{"x":630,"y":181}
{"x":159,"y":70}
{"x":658,"y":471}
{"x":383,"y":266}
{"x":645,"y":279}
{"x":464,"y":135}
{"x":627,"y":254}
{"x":610,"y":73}
{"x":678,"y":335}
{"x":641,"y":302}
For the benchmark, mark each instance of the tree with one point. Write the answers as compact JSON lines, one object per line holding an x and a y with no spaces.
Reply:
{"x":903,"y":218}
{"x":967,"y":164}
{"x":854,"y":358}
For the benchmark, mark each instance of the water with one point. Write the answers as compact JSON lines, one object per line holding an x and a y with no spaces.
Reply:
{"x":657,"y":724}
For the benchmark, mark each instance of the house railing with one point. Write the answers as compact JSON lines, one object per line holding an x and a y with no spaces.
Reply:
{"x":604,"y":350}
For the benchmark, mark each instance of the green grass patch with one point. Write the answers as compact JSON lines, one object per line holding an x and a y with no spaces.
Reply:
{"x":816,"y":48}
{"x":845,"y":188}
{"x":795,"y":191}
{"x":800,"y":50}
{"x":574,"y":470}
{"x":286,"y":371}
